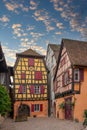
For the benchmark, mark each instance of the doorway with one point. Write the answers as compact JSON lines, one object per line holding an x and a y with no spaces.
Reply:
{"x":24,"y":110}
{"x":68,"y":108}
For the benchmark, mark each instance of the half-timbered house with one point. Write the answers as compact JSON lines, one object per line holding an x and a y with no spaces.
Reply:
{"x":70,"y":81}
{"x":30,"y":85}
{"x":51,"y":62}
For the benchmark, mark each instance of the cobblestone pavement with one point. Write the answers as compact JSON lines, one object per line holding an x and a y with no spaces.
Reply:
{"x":41,"y":124}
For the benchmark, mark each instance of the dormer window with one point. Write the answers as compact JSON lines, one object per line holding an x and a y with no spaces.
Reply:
{"x":76,"y":75}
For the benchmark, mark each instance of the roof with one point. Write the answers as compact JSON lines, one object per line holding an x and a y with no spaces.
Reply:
{"x":55,"y":49}
{"x":77,"y":51}
{"x":29,"y":52}
{"x":3,"y":65}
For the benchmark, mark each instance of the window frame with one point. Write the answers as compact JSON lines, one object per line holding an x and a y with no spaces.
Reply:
{"x":36,"y":107}
{"x":36,"y":89}
{"x":65,"y":78}
{"x":76,"y":79}
{"x":23,"y":89}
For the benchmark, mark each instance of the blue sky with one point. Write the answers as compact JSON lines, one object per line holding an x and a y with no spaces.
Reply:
{"x":36,"y":23}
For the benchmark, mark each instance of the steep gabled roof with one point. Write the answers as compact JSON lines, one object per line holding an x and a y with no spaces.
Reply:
{"x":55,"y":49}
{"x":29,"y":52}
{"x":76,"y":50}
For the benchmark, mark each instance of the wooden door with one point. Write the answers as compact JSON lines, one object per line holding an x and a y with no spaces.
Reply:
{"x":24,"y":110}
{"x":68,"y":108}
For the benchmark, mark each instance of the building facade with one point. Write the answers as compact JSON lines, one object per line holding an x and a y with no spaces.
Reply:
{"x":4,"y":75}
{"x":30,"y":85}
{"x":70,"y":81}
{"x":51,"y":62}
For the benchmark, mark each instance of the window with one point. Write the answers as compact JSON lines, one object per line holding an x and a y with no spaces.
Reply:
{"x":65,"y":78}
{"x":38,"y":75}
{"x":22,"y":89}
{"x":36,"y":107}
{"x":37,"y":89}
{"x":79,"y":75}
{"x":76,"y":75}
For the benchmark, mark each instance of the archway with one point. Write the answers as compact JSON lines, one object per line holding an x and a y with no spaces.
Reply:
{"x":24,"y":110}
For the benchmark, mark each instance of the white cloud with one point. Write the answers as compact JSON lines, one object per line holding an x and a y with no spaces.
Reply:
{"x":76,"y":20}
{"x":36,"y":35}
{"x":29,"y":28}
{"x":39,"y":49}
{"x":58,"y":33}
{"x":11,"y":7}
{"x":57,"y":4}
{"x":4,"y":19}
{"x":10,"y":55}
{"x":43,"y":16}
{"x":26,"y":9}
{"x":33,"y":5}
{"x":16,"y":26}
{"x":18,"y":31}
{"x":60,"y":25}
{"x":24,"y":39}
{"x":14,"y":6}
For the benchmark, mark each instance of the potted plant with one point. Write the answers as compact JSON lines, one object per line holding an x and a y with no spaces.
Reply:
{"x":62,"y":105}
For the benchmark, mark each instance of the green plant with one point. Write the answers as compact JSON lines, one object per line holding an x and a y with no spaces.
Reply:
{"x":62,"y":105}
{"x":5,"y":103}
{"x":85,"y":116}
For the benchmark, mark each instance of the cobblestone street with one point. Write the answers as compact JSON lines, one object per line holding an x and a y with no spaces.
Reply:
{"x":41,"y":124}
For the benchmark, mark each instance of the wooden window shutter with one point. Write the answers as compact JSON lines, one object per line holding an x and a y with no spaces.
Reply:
{"x":20,"y":89}
{"x":81,"y":74}
{"x":38,"y":75}
{"x":41,"y":107}
{"x":32,"y":89}
{"x":42,"y":89}
{"x":31,"y":62}
{"x":32,"y":107}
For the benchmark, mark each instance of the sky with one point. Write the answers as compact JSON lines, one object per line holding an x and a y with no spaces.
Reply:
{"x":34,"y":24}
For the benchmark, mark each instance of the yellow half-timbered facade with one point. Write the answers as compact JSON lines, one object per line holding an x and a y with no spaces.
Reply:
{"x":30,"y":85}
